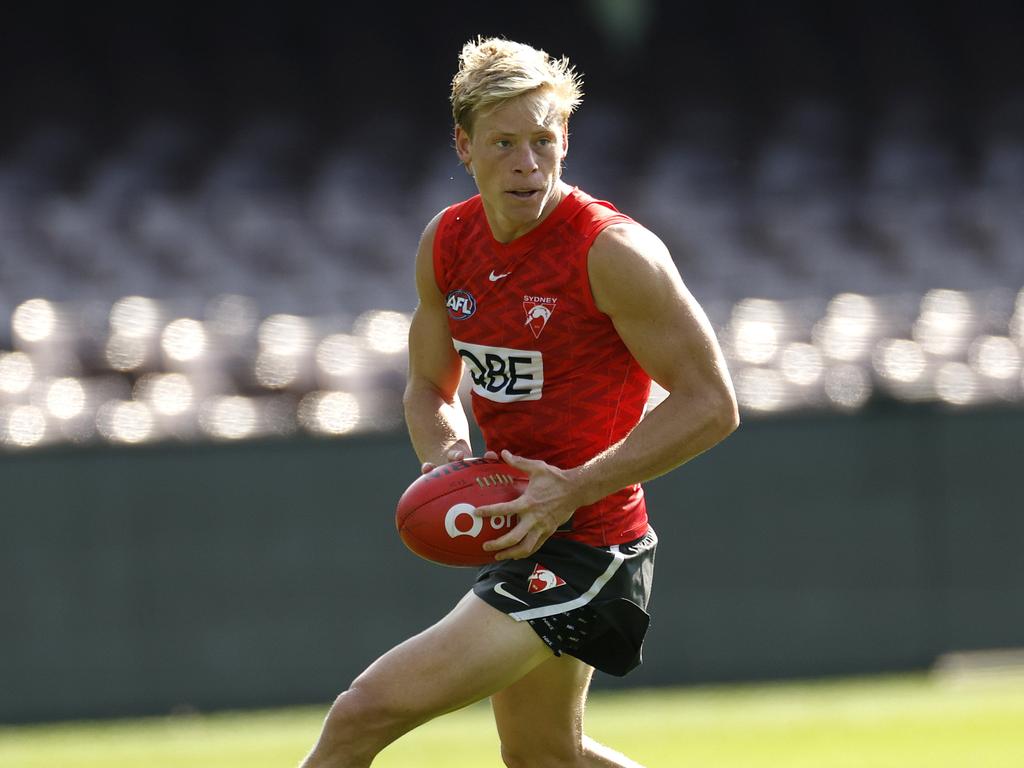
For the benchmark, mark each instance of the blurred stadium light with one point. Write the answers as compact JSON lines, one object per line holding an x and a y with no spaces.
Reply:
{"x":180,"y":381}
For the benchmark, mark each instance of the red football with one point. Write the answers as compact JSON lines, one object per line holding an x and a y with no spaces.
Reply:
{"x":435,"y":514}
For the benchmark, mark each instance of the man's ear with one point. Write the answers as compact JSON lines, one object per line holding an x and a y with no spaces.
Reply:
{"x":463,"y":146}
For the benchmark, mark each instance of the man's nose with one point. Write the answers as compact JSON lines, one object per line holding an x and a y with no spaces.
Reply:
{"x":525,"y":160}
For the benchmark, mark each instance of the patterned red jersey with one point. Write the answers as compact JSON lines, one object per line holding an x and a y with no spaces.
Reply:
{"x":551,"y":378}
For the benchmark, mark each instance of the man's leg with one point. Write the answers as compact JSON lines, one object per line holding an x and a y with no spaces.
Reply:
{"x":540,"y":720}
{"x":472,"y":652}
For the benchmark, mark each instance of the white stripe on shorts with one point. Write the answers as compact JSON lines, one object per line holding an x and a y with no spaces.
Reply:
{"x":579,"y":602}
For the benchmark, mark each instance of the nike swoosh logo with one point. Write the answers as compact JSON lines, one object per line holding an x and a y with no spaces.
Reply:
{"x":500,"y":589}
{"x":495,"y":278}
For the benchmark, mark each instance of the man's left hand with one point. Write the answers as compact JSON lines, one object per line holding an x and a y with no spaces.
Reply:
{"x":549,"y":500}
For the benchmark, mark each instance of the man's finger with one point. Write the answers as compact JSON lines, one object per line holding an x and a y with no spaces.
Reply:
{"x":519,"y":462}
{"x":526,"y":547}
{"x":513,"y":507}
{"x":510,"y":539}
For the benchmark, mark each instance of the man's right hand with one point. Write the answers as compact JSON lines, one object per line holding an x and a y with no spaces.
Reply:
{"x":458,"y":451}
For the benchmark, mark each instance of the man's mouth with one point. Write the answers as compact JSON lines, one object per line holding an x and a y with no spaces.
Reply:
{"x":523,"y":194}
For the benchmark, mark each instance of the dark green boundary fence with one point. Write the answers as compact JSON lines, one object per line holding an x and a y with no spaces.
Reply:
{"x":143,"y":580}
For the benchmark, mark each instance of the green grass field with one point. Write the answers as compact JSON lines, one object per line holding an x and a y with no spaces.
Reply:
{"x":892,"y":722}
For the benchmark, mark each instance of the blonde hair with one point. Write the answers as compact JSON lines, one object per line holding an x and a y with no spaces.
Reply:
{"x":494,"y":70}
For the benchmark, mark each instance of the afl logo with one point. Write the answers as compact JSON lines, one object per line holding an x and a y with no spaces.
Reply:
{"x":461,"y":304}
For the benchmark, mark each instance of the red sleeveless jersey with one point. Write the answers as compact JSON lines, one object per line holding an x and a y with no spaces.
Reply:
{"x":551,"y":378}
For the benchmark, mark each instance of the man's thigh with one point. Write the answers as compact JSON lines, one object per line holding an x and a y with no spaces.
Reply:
{"x":470,"y":654}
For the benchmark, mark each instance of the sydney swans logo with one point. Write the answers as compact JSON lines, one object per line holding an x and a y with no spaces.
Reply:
{"x":538,"y":311}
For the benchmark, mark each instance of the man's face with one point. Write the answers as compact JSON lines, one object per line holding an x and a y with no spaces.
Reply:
{"x":515,"y":155}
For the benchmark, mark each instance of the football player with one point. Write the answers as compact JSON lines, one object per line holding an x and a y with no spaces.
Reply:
{"x":562,"y":310}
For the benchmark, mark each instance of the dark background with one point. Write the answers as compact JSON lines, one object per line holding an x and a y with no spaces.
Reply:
{"x":350,"y":69}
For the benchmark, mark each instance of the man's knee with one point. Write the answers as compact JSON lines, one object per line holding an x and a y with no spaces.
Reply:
{"x":563,"y":754}
{"x":364,"y":720}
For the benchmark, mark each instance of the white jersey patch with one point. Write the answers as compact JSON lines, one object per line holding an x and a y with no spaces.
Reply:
{"x":501,"y":374}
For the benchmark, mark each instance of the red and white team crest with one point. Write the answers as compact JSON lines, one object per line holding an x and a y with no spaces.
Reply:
{"x":541,"y":580}
{"x":538,"y":311}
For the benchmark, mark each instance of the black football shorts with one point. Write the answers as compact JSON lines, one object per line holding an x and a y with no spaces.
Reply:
{"x":588,"y":602}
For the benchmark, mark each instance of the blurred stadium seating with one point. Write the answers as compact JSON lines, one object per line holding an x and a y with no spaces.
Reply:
{"x":177,"y":281}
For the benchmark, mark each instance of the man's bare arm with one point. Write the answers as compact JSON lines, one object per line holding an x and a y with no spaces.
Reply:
{"x":433,"y":412}
{"x":636,"y":283}
{"x":670,"y":336}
